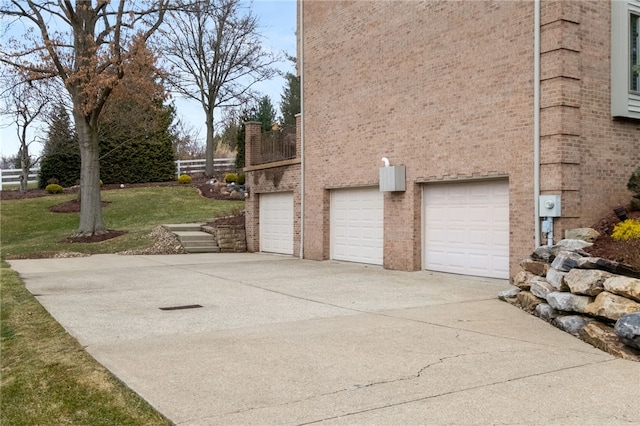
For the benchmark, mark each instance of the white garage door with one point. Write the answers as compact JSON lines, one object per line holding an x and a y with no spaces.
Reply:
{"x":466,"y":228}
{"x":357,"y":225}
{"x":276,"y":222}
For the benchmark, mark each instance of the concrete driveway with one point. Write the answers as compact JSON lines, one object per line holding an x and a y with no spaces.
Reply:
{"x":283,"y":341}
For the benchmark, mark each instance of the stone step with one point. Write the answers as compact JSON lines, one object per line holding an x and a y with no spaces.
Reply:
{"x":201,"y":249}
{"x":183,"y":227}
{"x":193,"y":236}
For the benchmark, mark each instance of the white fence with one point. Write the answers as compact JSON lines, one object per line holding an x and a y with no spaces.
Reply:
{"x":12,"y":176}
{"x":192,"y":167}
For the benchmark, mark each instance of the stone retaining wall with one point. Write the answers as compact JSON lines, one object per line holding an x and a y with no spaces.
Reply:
{"x":230,"y":238}
{"x":592,"y":298}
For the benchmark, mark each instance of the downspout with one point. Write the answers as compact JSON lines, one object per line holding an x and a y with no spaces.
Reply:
{"x":302,"y":163}
{"x":536,"y":119}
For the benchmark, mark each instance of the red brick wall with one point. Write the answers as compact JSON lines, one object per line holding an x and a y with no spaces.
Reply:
{"x":443,"y":88}
{"x":283,"y":176}
{"x":446,"y":88}
{"x":597,"y":154}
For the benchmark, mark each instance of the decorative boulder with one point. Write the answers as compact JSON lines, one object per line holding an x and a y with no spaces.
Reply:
{"x":536,"y":267}
{"x":546,"y":312}
{"x":572,"y":324}
{"x":545,"y":253}
{"x":510,"y":293}
{"x":586,"y":281}
{"x":603,"y":337}
{"x":565,"y":261}
{"x":556,"y":279}
{"x":585,"y":234}
{"x":522,"y":279}
{"x":573,"y":245}
{"x":611,"y":306}
{"x":624,"y":286}
{"x":564,"y":301}
{"x":628,"y":329}
{"x":528,"y":301}
{"x":607,"y":265}
{"x":539,"y":287}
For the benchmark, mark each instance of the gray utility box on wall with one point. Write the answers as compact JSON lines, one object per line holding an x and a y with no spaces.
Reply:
{"x":392,"y":178}
{"x":550,"y":206}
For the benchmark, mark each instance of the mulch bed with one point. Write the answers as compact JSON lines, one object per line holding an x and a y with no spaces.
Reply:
{"x":109,"y":234}
{"x":604,"y":246}
{"x":237,"y":220}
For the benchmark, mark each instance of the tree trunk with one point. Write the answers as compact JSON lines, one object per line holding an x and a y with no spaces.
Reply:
{"x":91,"y":222}
{"x":25,"y":164}
{"x":210,"y":148}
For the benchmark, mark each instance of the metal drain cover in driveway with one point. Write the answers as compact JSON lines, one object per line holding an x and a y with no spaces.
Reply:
{"x":175,"y":308}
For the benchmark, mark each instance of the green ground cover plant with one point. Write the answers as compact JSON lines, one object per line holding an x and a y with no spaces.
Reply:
{"x":46,"y":376}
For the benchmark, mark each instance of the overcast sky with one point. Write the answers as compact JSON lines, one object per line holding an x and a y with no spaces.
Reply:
{"x":278,"y":26}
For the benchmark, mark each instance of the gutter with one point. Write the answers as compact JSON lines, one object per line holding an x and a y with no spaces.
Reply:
{"x":302,"y":162}
{"x":536,"y":120}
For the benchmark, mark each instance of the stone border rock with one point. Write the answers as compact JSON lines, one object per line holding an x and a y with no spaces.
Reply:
{"x":592,"y":298}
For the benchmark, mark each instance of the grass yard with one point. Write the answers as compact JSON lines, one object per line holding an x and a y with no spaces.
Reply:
{"x":47,"y":378}
{"x":29,"y":229}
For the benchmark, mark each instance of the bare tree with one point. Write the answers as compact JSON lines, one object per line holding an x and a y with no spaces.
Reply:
{"x":25,"y":104}
{"x":217,"y":57}
{"x":185,"y":141}
{"x":84,"y":45}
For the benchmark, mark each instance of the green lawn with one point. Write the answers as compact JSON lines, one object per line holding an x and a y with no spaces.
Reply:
{"x":29,"y":228}
{"x":47,"y":378}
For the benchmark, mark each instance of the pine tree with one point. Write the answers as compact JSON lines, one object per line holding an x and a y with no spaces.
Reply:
{"x":266,"y":114}
{"x":60,"y":161}
{"x":290,"y":100}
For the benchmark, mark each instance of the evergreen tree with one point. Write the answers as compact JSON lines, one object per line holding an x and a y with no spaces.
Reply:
{"x":266,"y":114}
{"x":61,"y":154}
{"x":290,"y":100}
{"x":136,"y":142}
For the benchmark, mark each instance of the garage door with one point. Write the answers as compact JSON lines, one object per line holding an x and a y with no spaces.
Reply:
{"x":466,"y":228}
{"x":357,"y":225}
{"x":276,"y":222}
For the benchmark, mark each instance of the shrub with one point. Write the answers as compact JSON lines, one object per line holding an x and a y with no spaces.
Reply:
{"x":230,"y":177}
{"x":634,"y":183}
{"x":627,"y":230}
{"x":184,"y":179}
{"x":241,"y":179}
{"x":54,"y":188}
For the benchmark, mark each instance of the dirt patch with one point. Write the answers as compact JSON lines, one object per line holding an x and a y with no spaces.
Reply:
{"x":96,"y":238}
{"x":72,"y":206}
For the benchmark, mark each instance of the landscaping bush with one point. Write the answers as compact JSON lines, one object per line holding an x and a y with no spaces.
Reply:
{"x":230,"y":178}
{"x":184,"y":179}
{"x":54,"y":188}
{"x":627,"y":230}
{"x":241,"y":179}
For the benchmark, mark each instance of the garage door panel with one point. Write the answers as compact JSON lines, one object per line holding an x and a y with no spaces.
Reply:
{"x":357,"y":225}
{"x":466,"y":228}
{"x":276,"y":222}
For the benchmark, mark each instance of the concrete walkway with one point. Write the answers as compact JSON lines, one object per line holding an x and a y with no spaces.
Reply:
{"x":284,"y":341}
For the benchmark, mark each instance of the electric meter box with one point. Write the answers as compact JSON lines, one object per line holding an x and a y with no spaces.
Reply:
{"x":549,"y":206}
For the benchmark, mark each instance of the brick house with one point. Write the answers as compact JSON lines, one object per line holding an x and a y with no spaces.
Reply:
{"x":485,"y":111}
